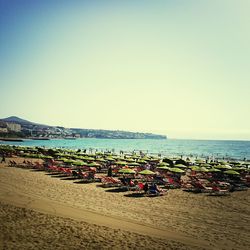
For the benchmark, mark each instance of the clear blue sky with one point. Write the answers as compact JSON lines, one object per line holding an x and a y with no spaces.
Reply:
{"x":179,"y":68}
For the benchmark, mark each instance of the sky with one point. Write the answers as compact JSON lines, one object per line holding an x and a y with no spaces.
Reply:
{"x":178,"y":68}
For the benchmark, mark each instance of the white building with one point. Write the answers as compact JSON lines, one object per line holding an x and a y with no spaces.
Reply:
{"x":14,"y":127}
{"x":3,"y":130}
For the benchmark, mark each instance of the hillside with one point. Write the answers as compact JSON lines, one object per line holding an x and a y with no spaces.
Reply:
{"x":20,"y":121}
{"x":31,"y":129}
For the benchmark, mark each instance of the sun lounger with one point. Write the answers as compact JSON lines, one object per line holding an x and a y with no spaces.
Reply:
{"x":171,"y":183}
{"x":216,"y":191}
{"x":154,"y":192}
{"x":110,"y":182}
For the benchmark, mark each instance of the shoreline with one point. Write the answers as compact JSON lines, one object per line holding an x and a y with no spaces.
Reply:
{"x":12,"y":139}
{"x":164,"y":154}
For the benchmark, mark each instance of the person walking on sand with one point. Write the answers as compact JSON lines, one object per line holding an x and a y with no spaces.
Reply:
{"x":145,"y":188}
{"x":109,"y":171}
{"x":3,"y":159}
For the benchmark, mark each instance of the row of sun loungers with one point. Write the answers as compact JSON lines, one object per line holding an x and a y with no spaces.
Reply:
{"x":193,"y":184}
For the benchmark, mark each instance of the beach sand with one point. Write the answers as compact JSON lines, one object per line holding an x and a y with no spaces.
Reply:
{"x":42,"y":211}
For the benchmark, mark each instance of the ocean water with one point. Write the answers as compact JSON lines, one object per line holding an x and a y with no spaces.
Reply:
{"x":171,"y":147}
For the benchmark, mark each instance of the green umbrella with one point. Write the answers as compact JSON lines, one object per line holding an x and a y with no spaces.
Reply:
{"x":62,"y":159}
{"x":180,"y":166}
{"x":154,"y":160}
{"x":86,"y":158}
{"x":213,"y":170}
{"x":163,"y":167}
{"x":199,"y":161}
{"x":203,"y":169}
{"x":222,"y":162}
{"x":46,"y":157}
{"x":195,"y":168}
{"x":145,"y":158}
{"x":133,"y":164}
{"x":142,"y":161}
{"x":110,"y":159}
{"x":122,"y":163}
{"x":147,"y":172}
{"x":68,"y":161}
{"x":93,"y":164}
{"x":79,"y":163}
{"x":223,"y":166}
{"x":199,"y":169}
{"x":205,"y":165}
{"x":176,"y":170}
{"x":129,"y":160}
{"x":239,"y":168}
{"x":126,"y":171}
{"x":232,"y":172}
{"x":162,"y":164}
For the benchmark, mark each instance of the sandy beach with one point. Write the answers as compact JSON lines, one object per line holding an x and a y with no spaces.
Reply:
{"x":42,"y":211}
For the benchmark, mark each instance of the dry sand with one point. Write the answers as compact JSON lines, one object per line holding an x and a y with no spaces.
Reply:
{"x":41,"y":211}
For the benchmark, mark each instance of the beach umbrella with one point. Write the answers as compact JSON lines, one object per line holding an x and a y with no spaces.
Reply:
{"x":146,"y":172}
{"x":145,"y":158}
{"x":199,"y":161}
{"x":195,"y":168}
{"x":110,"y":159}
{"x":239,"y":168}
{"x":126,"y":171}
{"x":162,"y":164}
{"x":87,"y":158}
{"x":176,"y":170}
{"x":154,"y":160}
{"x":199,"y":169}
{"x":206,"y":165}
{"x":203,"y":169}
{"x":93,"y":164}
{"x":223,"y":166}
{"x":133,"y":164}
{"x":135,"y":156}
{"x":68,"y":161}
{"x":122,"y":163}
{"x":231,"y":172}
{"x":163,"y":167}
{"x":142,"y":161}
{"x":79,"y":163}
{"x":213,"y":170}
{"x":180,"y":166}
{"x":222,"y":162}
{"x":46,"y":157}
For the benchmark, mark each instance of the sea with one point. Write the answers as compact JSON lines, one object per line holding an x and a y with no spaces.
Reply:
{"x":217,"y":149}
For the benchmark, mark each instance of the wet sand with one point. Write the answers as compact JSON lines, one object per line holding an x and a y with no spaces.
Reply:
{"x":42,"y":211}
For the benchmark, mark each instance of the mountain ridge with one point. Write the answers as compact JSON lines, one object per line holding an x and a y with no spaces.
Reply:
{"x":21,"y":121}
{"x":83,"y":132}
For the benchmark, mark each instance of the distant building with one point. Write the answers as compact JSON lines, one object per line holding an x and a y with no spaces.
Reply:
{"x":77,"y":135}
{"x":3,"y":127}
{"x":3,"y":130}
{"x":13,"y":127}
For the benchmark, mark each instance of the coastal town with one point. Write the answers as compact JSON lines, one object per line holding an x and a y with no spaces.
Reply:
{"x":15,"y":127}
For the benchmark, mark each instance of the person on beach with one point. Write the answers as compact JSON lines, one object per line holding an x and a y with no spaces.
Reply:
{"x":3,"y":159}
{"x":155,"y":189}
{"x":145,"y":188}
{"x":110,"y":171}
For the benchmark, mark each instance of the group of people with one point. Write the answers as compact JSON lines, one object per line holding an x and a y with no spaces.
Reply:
{"x":146,"y":187}
{"x":152,"y":189}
